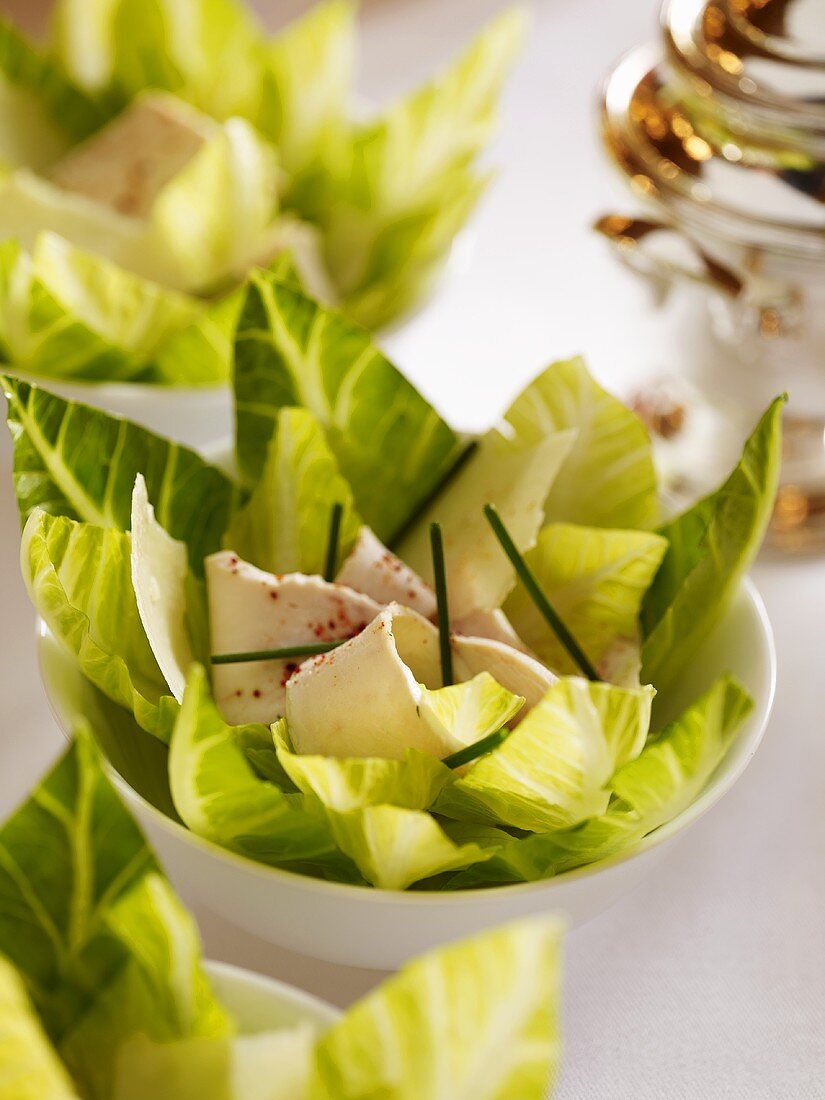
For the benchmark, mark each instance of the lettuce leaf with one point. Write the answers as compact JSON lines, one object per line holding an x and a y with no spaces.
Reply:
{"x":407,"y":182}
{"x":350,"y":784}
{"x":664,"y":779}
{"x":308,"y":74}
{"x":79,"y":579}
{"x":78,"y":885}
{"x":284,"y":526}
{"x":220,"y":797}
{"x":41,"y":110}
{"x":391,"y":446}
{"x":553,"y":769}
{"x":71,"y":314}
{"x":29,"y":1066}
{"x":121,"y":47}
{"x":394,"y":847}
{"x":608,"y":479}
{"x":77,"y":461}
{"x":477,"y":1019}
{"x":711,"y":547}
{"x":596,"y":580}
{"x":160,"y":992}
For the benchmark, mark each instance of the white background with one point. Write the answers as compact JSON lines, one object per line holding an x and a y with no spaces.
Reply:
{"x":707,"y":983}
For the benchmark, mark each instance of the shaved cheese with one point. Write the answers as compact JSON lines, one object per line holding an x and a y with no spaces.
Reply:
{"x":374,"y":570}
{"x":250,"y":609}
{"x":159,"y":571}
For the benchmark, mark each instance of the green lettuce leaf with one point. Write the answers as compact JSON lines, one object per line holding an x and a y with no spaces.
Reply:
{"x":161,"y":991}
{"x":608,"y":479}
{"x":123,"y":46}
{"x":87,"y":921}
{"x":29,"y":1066}
{"x":464,"y":713}
{"x":350,"y":784}
{"x":394,"y":847}
{"x":41,"y":111}
{"x":79,"y":578}
{"x":554,"y":768}
{"x":596,"y":580}
{"x":711,"y":547}
{"x":406,"y":182}
{"x":70,"y":314}
{"x":284,"y":526}
{"x":476,"y":1020}
{"x":308,"y":76}
{"x":668,"y":776}
{"x":220,"y":797}
{"x":271,"y":1065}
{"x":391,"y":446}
{"x":80,"y":462}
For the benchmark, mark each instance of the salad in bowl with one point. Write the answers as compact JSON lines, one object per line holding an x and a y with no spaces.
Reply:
{"x":151,"y":155}
{"x":104,"y":994}
{"x":378,"y":653}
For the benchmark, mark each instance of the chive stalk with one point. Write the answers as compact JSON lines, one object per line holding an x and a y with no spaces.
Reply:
{"x":332,"y":544}
{"x":310,"y":650}
{"x":478,"y":748}
{"x":440,"y":578}
{"x":537,"y":593}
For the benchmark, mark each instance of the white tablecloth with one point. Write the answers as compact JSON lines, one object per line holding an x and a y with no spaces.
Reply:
{"x":707,"y":983}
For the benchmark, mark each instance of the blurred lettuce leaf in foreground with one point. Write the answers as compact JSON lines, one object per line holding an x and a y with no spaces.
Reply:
{"x":89,"y":923}
{"x":479,"y":1019}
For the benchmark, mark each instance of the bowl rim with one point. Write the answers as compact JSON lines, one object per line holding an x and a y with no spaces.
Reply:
{"x":292,"y":995}
{"x":717,"y":787}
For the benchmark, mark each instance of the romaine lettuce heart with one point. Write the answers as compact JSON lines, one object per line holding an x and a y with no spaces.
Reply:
{"x":664,"y":779}
{"x":596,"y":579}
{"x":80,"y":462}
{"x":554,"y":769}
{"x":391,"y":446}
{"x":711,"y":547}
{"x":608,"y":479}
{"x":284,"y":525}
{"x":79,"y":579}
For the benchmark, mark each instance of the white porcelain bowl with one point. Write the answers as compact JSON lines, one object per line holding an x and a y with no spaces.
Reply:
{"x":358,"y":926}
{"x":257,"y":1003}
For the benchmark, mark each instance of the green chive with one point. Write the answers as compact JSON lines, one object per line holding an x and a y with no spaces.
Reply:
{"x":310,"y":650}
{"x":478,"y":748}
{"x":537,"y":593}
{"x":465,"y":453}
{"x":332,"y":545}
{"x":440,"y":576}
